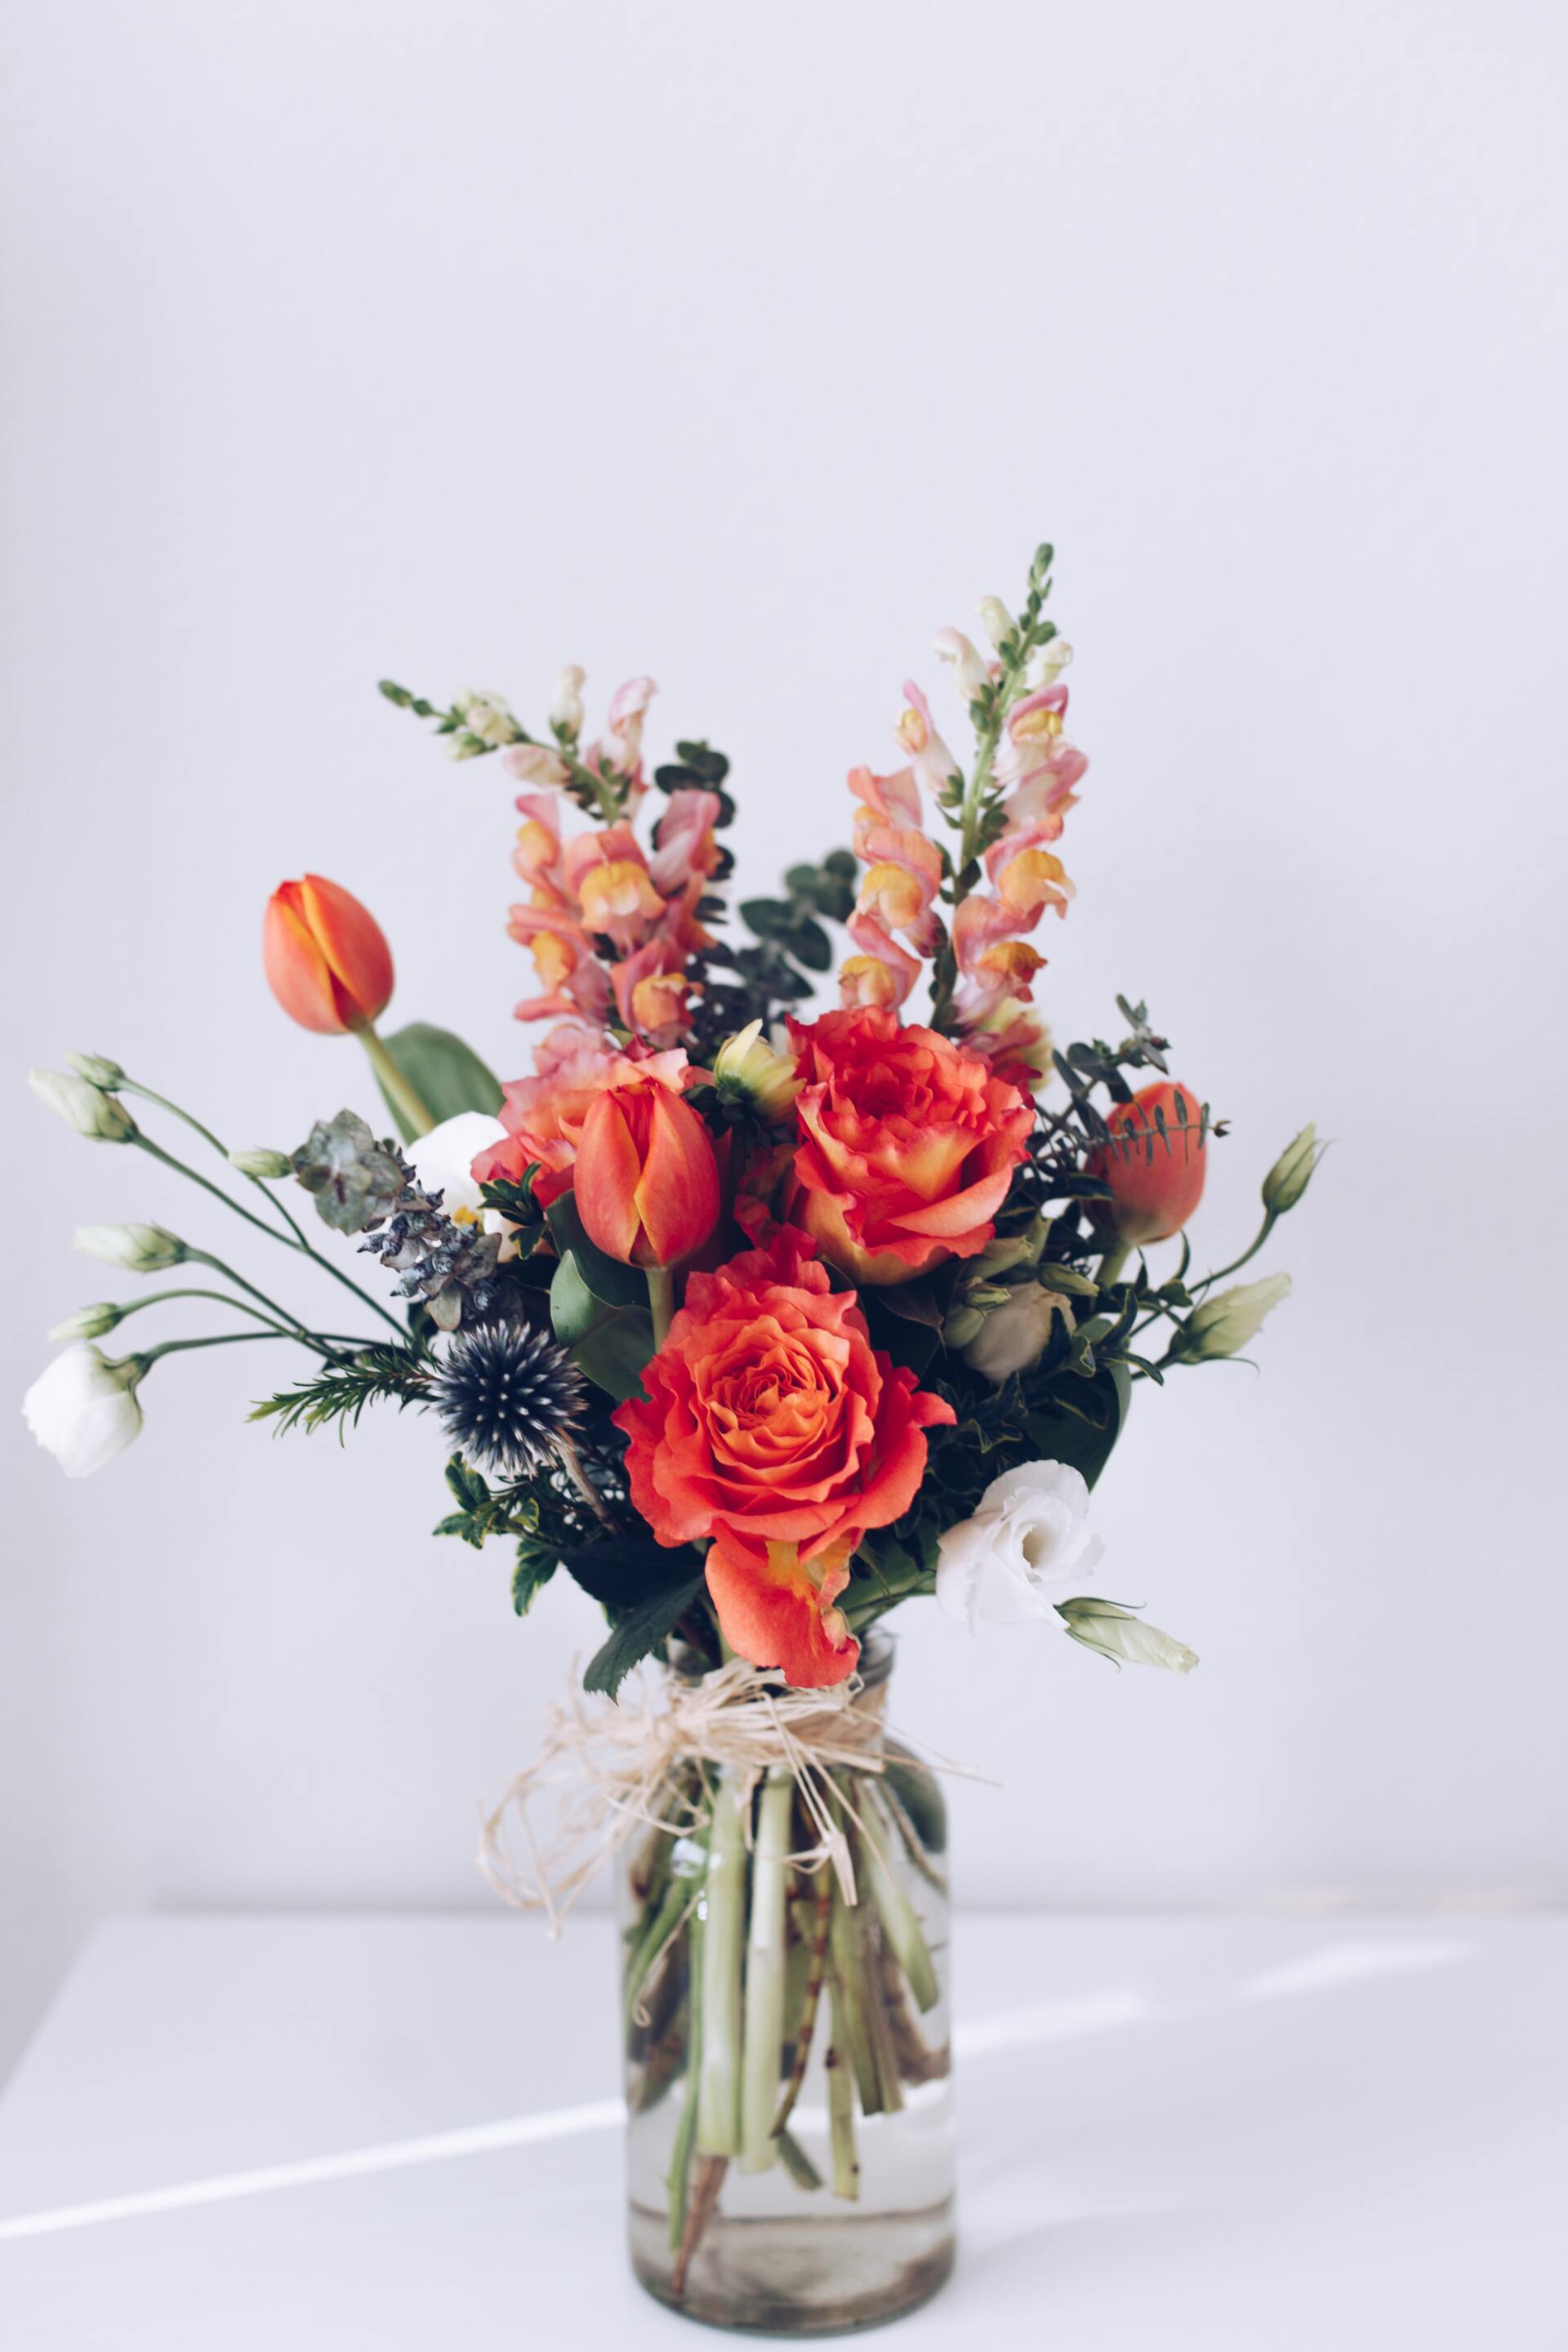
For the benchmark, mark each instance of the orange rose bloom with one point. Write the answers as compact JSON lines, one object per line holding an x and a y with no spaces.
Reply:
{"x":907,"y":1144}
{"x":1154,"y":1187}
{"x":771,"y":1430}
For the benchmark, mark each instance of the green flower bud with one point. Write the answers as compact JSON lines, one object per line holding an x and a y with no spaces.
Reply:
{"x":1224,"y":1326}
{"x":1292,"y":1171}
{"x":98,"y":1070}
{"x":101,"y":1116}
{"x":752,"y":1074}
{"x":272,"y":1166}
{"x":89,"y":1322}
{"x":140,"y":1249}
{"x":1120,"y":1634}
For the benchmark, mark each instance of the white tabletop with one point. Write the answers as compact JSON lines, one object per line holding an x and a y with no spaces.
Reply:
{"x":401,"y":2134}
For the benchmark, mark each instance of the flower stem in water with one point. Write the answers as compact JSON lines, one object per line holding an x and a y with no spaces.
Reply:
{"x":761,"y":2059}
{"x":723,"y":1947}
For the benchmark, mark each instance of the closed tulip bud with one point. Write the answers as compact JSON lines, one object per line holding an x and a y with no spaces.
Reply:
{"x":751,"y":1073}
{"x":326,"y":957}
{"x":1292,"y":1171}
{"x":140,"y":1249}
{"x":89,"y":1322}
{"x":98,"y":1070}
{"x":103,"y":1117}
{"x":646,"y":1179}
{"x":1155,"y":1179}
{"x":270,"y":1166}
{"x":1224,"y":1326}
{"x":1120,"y":1634}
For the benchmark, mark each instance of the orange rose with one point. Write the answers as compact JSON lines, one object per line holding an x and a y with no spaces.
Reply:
{"x":770,"y":1430}
{"x":907,"y":1145}
{"x":1155,"y":1182}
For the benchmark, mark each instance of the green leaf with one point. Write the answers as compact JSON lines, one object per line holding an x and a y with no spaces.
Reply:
{"x":622,"y":1571}
{"x":809,"y":944}
{"x":1083,"y":1435}
{"x":771,"y":918}
{"x":611,"y":1344}
{"x":448,"y":1075}
{"x":535,"y":1567}
{"x":641,"y":1633}
{"x":608,"y":1278}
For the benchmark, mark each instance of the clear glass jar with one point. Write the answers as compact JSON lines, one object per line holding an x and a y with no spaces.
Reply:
{"x":790,"y":2144}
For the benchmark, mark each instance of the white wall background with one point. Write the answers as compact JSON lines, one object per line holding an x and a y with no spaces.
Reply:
{"x":746,"y":347}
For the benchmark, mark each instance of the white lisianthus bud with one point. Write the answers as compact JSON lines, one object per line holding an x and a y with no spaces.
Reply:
{"x":1015,"y":1336}
{"x":1046,"y":664}
{"x":89,"y":1322}
{"x":98,"y":1070}
{"x":1027,"y":1548}
{"x":1121,"y":1634}
{"x":1292,"y":1171}
{"x":750,"y":1072}
{"x":1224,"y":1326}
{"x":270,"y":1166}
{"x":443,"y":1161}
{"x":92,"y":1113}
{"x":83,"y":1409}
{"x":970,"y":668}
{"x":566,"y":712}
{"x":994,"y":619}
{"x":140,"y":1249}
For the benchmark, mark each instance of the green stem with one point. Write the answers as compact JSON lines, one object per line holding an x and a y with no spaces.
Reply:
{"x":298,"y":1329}
{"x":900,"y":1925}
{"x":686,"y":2130}
{"x":723,"y":1946}
{"x":157,"y":1297}
{"x":1235,"y":1264}
{"x":224,"y":1339}
{"x":1112,"y":1263}
{"x":841,"y":2107}
{"x":762,"y":2058}
{"x":404,"y":1101}
{"x":851,"y":2027}
{"x":660,"y":1282}
{"x":134,"y":1086}
{"x":157,"y":1151}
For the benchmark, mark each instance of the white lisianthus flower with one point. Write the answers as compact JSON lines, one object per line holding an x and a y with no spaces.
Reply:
{"x":140,"y":1249}
{"x":1027,"y":1548}
{"x":442,"y":1162}
{"x":89,"y":1322}
{"x":83,"y":1409}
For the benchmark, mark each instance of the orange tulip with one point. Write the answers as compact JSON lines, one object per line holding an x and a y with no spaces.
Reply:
{"x":326,"y":957}
{"x":1155,"y":1182}
{"x":647,"y":1180}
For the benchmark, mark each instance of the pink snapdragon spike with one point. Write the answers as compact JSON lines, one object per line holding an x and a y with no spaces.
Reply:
{"x":620,"y":746}
{"x":535,"y":764}
{"x":928,"y":755}
{"x":897,"y":892}
{"x":971,"y":670}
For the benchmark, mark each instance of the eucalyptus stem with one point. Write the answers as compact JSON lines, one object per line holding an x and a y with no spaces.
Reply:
{"x":723,"y":1944}
{"x":403,"y":1098}
{"x":763,"y":2049}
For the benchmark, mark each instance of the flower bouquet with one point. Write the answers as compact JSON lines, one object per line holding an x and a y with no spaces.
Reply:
{"x":756,"y":1325}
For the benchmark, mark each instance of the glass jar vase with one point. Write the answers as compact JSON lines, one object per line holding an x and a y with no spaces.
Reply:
{"x":788,"y":2078}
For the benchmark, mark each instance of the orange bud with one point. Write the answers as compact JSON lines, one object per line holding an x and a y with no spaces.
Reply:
{"x":326,"y":957}
{"x":647,"y":1180}
{"x":1155,"y":1182}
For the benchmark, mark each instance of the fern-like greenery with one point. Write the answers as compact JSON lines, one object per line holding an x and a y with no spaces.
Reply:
{"x":341,"y":1392}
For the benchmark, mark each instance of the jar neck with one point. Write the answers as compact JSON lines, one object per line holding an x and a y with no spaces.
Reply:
{"x":873,"y":1669}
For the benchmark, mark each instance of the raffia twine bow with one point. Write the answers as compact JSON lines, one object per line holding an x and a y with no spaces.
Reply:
{"x":614,"y":1765}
